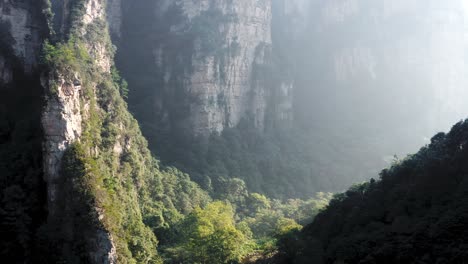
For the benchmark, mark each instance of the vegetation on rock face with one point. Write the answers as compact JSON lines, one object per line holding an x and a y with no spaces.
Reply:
{"x":416,"y":213}
{"x":119,"y":177}
{"x":138,"y":196}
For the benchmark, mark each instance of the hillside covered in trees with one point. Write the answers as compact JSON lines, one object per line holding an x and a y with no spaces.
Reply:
{"x":415,"y":213}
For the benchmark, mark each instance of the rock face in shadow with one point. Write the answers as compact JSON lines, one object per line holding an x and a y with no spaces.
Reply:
{"x":208,"y":62}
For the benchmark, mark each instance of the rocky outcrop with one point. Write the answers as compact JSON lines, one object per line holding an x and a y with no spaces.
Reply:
{"x":94,"y":9}
{"x":62,"y":119}
{"x":95,"y":24}
{"x":62,"y":125}
{"x":66,"y":110}
{"x":24,"y":28}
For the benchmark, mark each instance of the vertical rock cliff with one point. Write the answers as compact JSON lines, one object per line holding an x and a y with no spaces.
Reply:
{"x":22,"y":30}
{"x":208,"y":62}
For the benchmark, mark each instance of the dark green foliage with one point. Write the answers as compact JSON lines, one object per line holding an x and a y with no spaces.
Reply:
{"x":65,"y":21}
{"x":74,"y":220}
{"x":22,"y":188}
{"x":120,"y":82}
{"x":416,"y":213}
{"x":48,"y":14}
{"x":277,"y":164}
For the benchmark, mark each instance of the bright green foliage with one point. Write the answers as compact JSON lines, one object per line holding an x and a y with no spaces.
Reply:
{"x":211,"y":235}
{"x":249,"y":225}
{"x":136,"y":194}
{"x":65,"y":57}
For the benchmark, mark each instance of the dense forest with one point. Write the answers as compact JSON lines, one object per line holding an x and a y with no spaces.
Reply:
{"x":218,"y":131}
{"x":415,"y":213}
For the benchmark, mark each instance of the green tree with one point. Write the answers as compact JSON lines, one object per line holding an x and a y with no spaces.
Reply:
{"x":212,"y":236}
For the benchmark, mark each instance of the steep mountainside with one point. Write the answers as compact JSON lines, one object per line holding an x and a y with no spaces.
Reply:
{"x":92,"y":193}
{"x":416,"y":213}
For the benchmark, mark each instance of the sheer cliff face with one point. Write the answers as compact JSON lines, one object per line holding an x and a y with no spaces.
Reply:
{"x":224,"y":85}
{"x":22,"y":31}
{"x":208,"y":61}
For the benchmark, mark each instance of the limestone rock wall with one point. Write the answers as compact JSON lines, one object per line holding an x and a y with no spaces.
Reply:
{"x":209,"y":60}
{"x":22,"y":31}
{"x":224,"y":86}
{"x":62,"y":125}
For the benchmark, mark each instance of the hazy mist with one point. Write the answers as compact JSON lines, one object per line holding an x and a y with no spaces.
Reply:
{"x":376,"y":78}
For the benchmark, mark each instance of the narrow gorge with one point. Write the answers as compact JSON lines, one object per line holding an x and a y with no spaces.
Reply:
{"x":214,"y":131}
